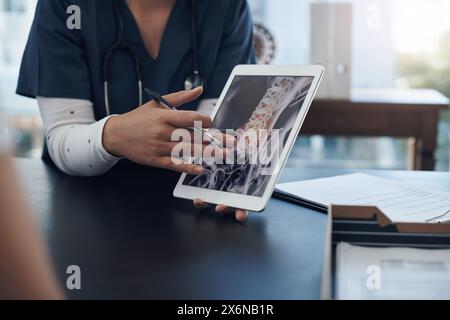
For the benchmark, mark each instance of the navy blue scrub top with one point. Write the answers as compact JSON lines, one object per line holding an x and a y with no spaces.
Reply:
{"x":63,"y":63}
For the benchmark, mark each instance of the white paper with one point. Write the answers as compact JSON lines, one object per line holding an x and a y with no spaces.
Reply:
{"x":391,"y":273}
{"x":398,"y":201}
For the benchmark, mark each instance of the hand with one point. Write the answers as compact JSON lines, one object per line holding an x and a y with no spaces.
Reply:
{"x":240,"y":214}
{"x":144,"y":134}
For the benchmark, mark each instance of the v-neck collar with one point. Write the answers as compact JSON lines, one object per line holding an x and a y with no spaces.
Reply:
{"x":135,"y":37}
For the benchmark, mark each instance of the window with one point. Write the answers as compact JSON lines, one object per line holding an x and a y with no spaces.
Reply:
{"x":395,"y":44}
{"x":14,"y":6}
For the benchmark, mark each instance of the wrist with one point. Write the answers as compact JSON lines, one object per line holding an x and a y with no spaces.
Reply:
{"x":111,"y":138}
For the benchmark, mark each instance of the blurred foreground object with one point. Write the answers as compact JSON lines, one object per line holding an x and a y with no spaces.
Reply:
{"x":25,"y":269}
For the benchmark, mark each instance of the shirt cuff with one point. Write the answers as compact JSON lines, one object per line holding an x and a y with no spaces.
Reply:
{"x":106,"y":156}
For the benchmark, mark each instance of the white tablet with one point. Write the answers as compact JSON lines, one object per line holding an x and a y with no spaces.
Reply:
{"x":264,"y":107}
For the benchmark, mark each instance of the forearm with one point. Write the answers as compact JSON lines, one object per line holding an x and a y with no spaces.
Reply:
{"x":74,"y":138}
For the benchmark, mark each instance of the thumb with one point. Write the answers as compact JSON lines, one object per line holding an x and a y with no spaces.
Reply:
{"x":181,"y":97}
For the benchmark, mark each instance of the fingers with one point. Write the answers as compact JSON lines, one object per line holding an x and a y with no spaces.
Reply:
{"x":198,"y":203}
{"x":167,"y":163}
{"x":207,"y":152}
{"x":222,"y":209}
{"x":240,"y":215}
{"x":186,"y":119}
{"x":181,"y":97}
{"x":226,"y":140}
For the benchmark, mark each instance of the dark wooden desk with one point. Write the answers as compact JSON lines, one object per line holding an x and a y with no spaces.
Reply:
{"x":132,"y":239}
{"x":412,"y":114}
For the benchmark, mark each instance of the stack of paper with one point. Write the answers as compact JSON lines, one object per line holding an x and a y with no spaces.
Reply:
{"x":391,"y":273}
{"x":398,"y":201}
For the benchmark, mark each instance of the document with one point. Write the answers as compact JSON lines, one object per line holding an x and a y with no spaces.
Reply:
{"x":391,"y":273}
{"x":399,"y":202}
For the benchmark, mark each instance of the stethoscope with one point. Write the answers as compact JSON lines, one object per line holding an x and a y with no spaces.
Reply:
{"x":192,"y":81}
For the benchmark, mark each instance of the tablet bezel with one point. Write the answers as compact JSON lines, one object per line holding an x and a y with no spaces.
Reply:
{"x":248,"y":202}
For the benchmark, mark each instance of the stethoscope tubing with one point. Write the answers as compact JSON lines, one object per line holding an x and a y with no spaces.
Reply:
{"x":193,"y":80}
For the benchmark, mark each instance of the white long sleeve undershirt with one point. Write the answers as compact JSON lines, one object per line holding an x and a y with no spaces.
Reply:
{"x":74,"y":138}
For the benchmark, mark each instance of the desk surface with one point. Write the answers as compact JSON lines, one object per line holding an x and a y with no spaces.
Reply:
{"x":130,"y":244}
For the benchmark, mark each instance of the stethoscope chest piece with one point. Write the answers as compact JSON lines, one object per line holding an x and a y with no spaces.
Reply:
{"x":193,"y":81}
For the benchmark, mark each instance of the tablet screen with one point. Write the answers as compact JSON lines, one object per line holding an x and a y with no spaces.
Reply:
{"x":260,"y":112}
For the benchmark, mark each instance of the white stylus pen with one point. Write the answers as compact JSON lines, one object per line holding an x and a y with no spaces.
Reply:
{"x":166,"y":104}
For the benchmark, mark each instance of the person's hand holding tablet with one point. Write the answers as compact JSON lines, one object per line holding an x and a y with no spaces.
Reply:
{"x":144,"y":136}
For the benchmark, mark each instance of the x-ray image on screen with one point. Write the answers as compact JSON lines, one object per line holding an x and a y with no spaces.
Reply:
{"x":270,"y":103}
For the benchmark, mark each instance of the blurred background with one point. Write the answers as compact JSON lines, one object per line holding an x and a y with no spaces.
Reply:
{"x":381,"y":48}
